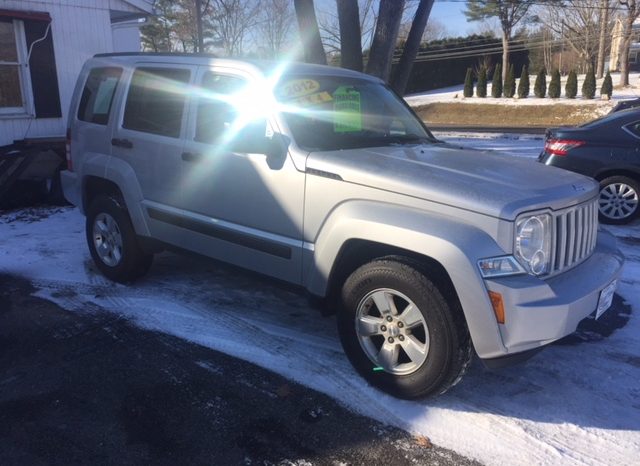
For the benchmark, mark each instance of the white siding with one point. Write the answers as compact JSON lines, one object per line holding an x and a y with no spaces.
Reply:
{"x":80,"y":29}
{"x":126,"y":36}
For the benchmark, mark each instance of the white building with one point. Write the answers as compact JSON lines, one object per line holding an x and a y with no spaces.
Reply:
{"x":43,"y":44}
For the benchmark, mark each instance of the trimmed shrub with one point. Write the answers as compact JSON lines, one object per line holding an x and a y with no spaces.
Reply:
{"x":510,"y":83}
{"x":554,"y":85}
{"x":481,"y":86}
{"x":468,"y":83}
{"x":523,"y":85}
{"x":571,"y":88}
{"x":589,"y":85}
{"x":607,"y":86}
{"x":540,"y":87}
{"x":496,"y":84}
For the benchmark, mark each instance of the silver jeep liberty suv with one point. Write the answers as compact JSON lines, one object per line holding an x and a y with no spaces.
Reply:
{"x":324,"y":178}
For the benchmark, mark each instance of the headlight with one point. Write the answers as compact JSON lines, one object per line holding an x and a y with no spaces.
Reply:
{"x":502,"y":266}
{"x":533,"y":243}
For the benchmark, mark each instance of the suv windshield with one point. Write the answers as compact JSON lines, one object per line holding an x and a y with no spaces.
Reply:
{"x":333,"y":112}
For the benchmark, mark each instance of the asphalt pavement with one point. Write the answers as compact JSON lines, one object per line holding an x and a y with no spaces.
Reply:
{"x":91,"y":388}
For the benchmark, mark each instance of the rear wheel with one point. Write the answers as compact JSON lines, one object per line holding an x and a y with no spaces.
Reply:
{"x":112,"y":241}
{"x":618,"y":200}
{"x":400,"y":332}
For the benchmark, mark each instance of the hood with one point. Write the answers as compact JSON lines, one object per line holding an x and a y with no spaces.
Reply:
{"x":480,"y":181}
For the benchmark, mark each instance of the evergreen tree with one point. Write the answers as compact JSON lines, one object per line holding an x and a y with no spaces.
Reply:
{"x":571,"y":88}
{"x":523,"y":85}
{"x":589,"y":85}
{"x":607,"y":86}
{"x":481,"y":86}
{"x":540,"y":86}
{"x":496,"y":84}
{"x":468,"y":83}
{"x":510,"y":83}
{"x":554,"y":85}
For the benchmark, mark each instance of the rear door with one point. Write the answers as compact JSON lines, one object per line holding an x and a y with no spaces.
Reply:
{"x":149,"y":137}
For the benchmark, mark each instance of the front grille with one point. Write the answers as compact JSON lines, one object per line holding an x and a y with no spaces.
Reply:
{"x":576,"y":234}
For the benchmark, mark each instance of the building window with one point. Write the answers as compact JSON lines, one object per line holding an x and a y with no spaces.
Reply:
{"x":15,"y":85}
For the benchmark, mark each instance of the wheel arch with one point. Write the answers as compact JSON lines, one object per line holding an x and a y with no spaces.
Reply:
{"x":93,"y":186}
{"x":629,"y":173}
{"x":443,"y":246}
{"x":356,"y":252}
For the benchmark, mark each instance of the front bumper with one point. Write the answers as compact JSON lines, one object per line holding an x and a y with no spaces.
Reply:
{"x":538,"y":312}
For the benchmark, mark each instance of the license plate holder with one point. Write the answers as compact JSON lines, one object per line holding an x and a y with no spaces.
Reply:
{"x":606,"y":298}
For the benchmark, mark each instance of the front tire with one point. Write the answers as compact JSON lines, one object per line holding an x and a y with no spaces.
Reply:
{"x":112,"y":241}
{"x":618,"y":200}
{"x":399,"y":331}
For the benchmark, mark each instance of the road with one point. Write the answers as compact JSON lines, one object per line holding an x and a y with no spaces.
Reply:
{"x":91,"y":388}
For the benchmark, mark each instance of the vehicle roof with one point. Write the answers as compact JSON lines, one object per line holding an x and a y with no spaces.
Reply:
{"x":265,"y":66}
{"x":620,"y":117}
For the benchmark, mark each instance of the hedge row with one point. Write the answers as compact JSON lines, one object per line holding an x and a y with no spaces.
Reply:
{"x":540,"y":89}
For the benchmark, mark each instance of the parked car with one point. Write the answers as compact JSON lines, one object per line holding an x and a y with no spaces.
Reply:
{"x":626,"y":104}
{"x":324,"y":178}
{"x":607,"y":149}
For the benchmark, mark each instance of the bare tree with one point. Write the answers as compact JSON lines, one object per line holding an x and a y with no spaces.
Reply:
{"x":631,"y":13}
{"x":309,"y":32}
{"x":605,"y":6}
{"x":275,"y":26}
{"x":509,"y":12}
{"x":385,"y":37}
{"x":330,"y":25}
{"x":233,"y":19}
{"x":412,"y":45}
{"x":576,"y":23}
{"x":350,"y":34}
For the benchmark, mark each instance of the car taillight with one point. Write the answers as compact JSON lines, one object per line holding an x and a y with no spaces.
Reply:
{"x":561,"y":146}
{"x":68,"y":150}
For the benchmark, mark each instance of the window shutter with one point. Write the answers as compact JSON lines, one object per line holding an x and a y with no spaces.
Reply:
{"x":42,"y":68}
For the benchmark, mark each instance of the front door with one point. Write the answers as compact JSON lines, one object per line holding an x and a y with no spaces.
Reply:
{"x":252,"y":211}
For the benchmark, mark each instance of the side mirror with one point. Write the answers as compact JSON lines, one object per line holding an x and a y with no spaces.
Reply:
{"x":275,"y":147}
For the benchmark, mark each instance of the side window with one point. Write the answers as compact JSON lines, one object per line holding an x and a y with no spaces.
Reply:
{"x":97,"y":96}
{"x":155,"y":101}
{"x":215,"y":113}
{"x":634,"y":128}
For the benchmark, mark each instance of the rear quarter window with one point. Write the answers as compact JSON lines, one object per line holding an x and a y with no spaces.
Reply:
{"x":156,"y":99}
{"x":634,"y":128}
{"x":97,"y":95}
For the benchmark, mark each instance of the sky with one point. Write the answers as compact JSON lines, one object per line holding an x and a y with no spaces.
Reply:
{"x":450,"y":14}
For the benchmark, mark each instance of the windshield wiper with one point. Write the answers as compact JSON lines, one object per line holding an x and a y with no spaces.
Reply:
{"x":404,"y":139}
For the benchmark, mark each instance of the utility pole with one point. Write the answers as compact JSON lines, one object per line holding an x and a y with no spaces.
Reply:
{"x":199,"y":26}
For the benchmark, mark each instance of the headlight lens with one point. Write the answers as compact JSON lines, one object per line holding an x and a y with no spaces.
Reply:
{"x":533,"y":243}
{"x":502,"y":266}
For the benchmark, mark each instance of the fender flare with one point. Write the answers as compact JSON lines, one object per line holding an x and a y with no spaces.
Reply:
{"x":455,"y":245}
{"x":122,"y":175}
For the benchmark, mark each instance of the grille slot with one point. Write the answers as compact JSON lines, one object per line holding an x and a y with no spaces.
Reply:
{"x":576,"y":234}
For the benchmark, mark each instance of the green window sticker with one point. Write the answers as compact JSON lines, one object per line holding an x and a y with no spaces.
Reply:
{"x":347,"y":111}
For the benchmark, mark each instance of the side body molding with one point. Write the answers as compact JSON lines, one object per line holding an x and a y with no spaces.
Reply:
{"x":455,"y":245}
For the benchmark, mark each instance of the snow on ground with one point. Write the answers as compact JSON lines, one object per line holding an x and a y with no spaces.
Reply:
{"x":454,"y":94}
{"x":574,"y":403}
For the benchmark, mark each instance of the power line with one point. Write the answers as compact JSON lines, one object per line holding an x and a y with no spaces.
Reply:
{"x":563,"y":5}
